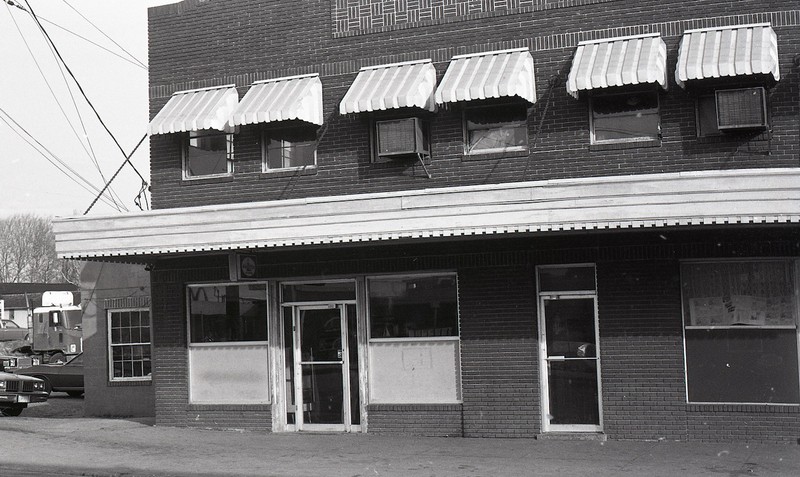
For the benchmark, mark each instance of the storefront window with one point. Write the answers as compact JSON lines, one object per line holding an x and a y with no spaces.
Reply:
{"x":413,"y":307}
{"x":225,"y":313}
{"x":741,"y":331}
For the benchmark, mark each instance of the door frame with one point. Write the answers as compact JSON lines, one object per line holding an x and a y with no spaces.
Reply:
{"x":297,"y":368}
{"x":544,"y":362}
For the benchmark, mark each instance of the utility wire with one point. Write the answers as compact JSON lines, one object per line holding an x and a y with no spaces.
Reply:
{"x":128,"y":160}
{"x":105,"y":35}
{"x":52,"y":158}
{"x":80,"y":88}
{"x":90,"y":151}
{"x":136,"y":62}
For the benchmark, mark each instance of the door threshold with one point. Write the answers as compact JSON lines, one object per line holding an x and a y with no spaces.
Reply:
{"x":572,"y":436}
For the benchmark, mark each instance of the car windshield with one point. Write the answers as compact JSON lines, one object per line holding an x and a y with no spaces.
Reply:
{"x":76,"y":360}
{"x":10,"y":324}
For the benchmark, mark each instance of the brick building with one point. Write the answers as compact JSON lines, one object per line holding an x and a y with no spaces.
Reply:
{"x":500,"y":218}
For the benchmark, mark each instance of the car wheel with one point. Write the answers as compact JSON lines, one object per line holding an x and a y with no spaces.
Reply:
{"x":75,"y":394}
{"x":56,"y":357}
{"x":11,"y":411}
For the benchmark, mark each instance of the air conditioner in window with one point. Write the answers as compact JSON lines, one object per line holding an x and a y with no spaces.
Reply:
{"x":744,"y":108}
{"x":401,"y":137}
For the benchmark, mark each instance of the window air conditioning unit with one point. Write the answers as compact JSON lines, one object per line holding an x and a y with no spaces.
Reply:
{"x":741,"y":109}
{"x":401,"y":137}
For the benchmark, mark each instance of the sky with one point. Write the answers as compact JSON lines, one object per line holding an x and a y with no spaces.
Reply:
{"x":104,"y":44}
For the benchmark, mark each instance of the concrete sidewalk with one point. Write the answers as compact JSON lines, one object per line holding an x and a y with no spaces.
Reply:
{"x":111,"y":447}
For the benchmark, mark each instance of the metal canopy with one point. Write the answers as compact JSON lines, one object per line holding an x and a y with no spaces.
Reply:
{"x":493,"y":74}
{"x":398,"y":85}
{"x":196,"y":109}
{"x":622,"y":61}
{"x":728,"y":51}
{"x":281,"y":99}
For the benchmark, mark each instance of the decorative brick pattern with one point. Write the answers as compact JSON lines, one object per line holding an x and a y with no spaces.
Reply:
{"x":354,"y":17}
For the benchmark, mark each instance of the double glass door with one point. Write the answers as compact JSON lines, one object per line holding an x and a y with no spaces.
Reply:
{"x":325,"y":391}
{"x":571,"y":364}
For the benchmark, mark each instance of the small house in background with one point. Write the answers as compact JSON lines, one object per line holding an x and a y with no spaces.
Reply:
{"x":116,"y":340}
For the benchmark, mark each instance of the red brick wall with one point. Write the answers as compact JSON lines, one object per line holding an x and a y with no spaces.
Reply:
{"x":214,"y":42}
{"x":640,"y":327}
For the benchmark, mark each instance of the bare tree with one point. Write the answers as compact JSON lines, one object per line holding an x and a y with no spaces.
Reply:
{"x":28,"y":252}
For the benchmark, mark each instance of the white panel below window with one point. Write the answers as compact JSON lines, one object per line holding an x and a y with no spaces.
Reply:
{"x":229,"y":374}
{"x":418,"y":372}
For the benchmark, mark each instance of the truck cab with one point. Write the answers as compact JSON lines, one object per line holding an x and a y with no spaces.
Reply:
{"x":57,"y":327}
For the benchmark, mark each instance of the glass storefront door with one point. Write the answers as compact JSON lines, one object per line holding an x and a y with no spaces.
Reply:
{"x":570,"y":364}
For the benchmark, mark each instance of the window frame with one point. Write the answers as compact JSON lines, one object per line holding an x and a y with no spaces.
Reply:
{"x":268,"y":134}
{"x":229,"y":153}
{"x":189,"y":341}
{"x":110,"y":346}
{"x":633,"y":140}
{"x":511,"y":124}
{"x":686,"y":320}
{"x":371,"y":339}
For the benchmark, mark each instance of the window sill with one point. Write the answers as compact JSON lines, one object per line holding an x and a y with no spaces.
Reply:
{"x":132,"y":382}
{"x":304,"y":171}
{"x":782,"y":408}
{"x":229,"y":407}
{"x":614,"y":146}
{"x":206,"y":180}
{"x":486,"y":156}
{"x":762,"y":137}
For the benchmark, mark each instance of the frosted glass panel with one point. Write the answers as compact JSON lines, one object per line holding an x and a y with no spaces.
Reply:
{"x":229,"y":374}
{"x":415,"y":372}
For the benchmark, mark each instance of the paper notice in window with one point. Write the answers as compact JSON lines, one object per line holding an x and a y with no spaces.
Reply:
{"x":746,"y":310}
{"x":707,"y":311}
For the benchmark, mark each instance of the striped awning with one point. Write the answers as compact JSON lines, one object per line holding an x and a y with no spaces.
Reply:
{"x":493,"y":74}
{"x":728,"y":51}
{"x":196,"y":109}
{"x":399,"y":85}
{"x":627,"y":202}
{"x":622,"y":61}
{"x":281,"y":99}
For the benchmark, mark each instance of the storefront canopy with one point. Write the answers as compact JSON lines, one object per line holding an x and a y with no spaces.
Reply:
{"x":399,"y":85}
{"x":752,"y":196}
{"x":728,"y":51}
{"x":622,"y":61}
{"x":196,"y":109}
{"x":493,"y":74}
{"x":281,"y":99}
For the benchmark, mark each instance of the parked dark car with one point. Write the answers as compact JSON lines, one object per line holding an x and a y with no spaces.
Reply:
{"x":66,"y":377}
{"x":10,"y":331}
{"x":16,"y":392}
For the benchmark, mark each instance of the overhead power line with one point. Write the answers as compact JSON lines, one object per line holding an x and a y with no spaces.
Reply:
{"x":80,"y":88}
{"x":133,"y":61}
{"x":89,"y":151}
{"x":105,"y":35}
{"x":51,"y":157}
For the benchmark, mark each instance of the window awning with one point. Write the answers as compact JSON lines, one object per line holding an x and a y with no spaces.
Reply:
{"x":281,"y":99}
{"x":646,"y":201}
{"x":493,"y":74}
{"x":728,"y":51}
{"x":196,"y":109}
{"x":622,"y":61}
{"x":399,"y":85}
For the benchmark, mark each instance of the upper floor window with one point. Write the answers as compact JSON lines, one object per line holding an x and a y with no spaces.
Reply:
{"x":290,"y":149}
{"x":208,"y":153}
{"x":731,"y":110}
{"x":499,"y":128}
{"x":400,"y":138}
{"x":625,"y":117}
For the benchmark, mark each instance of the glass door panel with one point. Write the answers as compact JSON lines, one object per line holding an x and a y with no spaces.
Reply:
{"x":320,"y":392}
{"x":570,"y":358}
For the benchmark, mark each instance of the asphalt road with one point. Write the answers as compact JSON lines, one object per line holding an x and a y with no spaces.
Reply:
{"x":52,"y":439}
